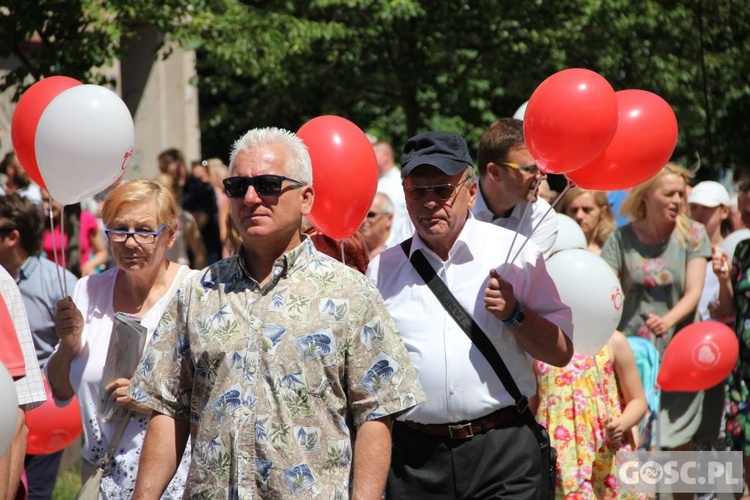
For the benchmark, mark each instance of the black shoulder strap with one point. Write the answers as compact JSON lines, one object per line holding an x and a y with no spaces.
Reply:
{"x":466,"y":322}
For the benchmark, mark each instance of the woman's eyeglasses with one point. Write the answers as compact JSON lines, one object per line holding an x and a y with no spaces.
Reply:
{"x":442,"y":191}
{"x":530,"y":169}
{"x":264,"y":185}
{"x":140,"y":237}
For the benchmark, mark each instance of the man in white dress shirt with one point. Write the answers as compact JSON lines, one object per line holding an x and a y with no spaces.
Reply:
{"x":467,"y":440}
{"x":507,"y":176}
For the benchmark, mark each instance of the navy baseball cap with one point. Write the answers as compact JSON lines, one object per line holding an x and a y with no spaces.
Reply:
{"x":448,"y":152}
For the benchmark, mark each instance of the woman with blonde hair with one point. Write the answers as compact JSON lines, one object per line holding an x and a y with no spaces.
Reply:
{"x":660,"y":258}
{"x":141,"y":219}
{"x":217,"y":172}
{"x":591,"y":210}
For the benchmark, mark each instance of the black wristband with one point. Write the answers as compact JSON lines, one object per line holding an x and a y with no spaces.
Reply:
{"x":513,"y":318}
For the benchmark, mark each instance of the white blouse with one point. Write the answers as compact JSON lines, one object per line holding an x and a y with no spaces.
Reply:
{"x":94,"y":295}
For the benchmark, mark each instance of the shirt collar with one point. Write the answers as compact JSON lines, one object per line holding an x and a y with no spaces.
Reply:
{"x":283,"y":267}
{"x":480,"y":209}
{"x":483,"y":213}
{"x":459,"y":253}
{"x":27,"y":269}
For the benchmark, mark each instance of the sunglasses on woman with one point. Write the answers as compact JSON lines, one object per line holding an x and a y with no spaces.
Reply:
{"x":264,"y":185}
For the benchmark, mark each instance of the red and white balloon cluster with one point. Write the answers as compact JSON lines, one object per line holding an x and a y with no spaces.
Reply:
{"x":576,"y":124}
{"x":72,"y":139}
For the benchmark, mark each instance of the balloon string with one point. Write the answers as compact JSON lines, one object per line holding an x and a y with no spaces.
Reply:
{"x":524,"y":217}
{"x":64,"y":259}
{"x":600,"y":383}
{"x":536,"y":226}
{"x":58,"y":256}
{"x":343,"y":258}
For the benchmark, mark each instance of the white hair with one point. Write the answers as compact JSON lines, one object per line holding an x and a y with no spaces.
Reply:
{"x":386,"y":205}
{"x":298,"y":165}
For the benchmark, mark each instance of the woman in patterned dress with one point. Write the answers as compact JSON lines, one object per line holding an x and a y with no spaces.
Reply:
{"x":660,"y":258}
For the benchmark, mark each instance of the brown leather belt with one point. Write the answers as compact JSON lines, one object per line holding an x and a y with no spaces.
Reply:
{"x":465,"y":430}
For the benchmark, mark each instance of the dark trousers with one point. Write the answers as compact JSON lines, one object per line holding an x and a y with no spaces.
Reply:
{"x":41,"y":472}
{"x":501,"y":463}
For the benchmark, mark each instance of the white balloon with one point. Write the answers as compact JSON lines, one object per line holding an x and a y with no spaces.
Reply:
{"x":83,"y":142}
{"x":8,"y":409}
{"x":521,"y":111}
{"x":731,"y":241}
{"x":569,"y":235}
{"x":589,"y":286}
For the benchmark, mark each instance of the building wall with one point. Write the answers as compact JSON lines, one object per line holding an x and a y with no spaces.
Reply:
{"x":160,"y":97}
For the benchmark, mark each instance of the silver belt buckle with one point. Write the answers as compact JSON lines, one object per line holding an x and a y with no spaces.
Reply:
{"x":452,"y":428}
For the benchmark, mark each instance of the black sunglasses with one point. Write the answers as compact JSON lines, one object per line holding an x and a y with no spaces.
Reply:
{"x":264,"y":185}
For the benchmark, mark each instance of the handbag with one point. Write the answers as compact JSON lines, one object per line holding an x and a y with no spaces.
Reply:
{"x":90,"y":489}
{"x":480,"y":340}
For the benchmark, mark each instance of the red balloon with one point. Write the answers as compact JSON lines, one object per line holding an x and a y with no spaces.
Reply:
{"x":345,"y":174}
{"x":570,"y":119}
{"x":643,"y":143}
{"x":698,"y":357}
{"x":26,"y":116}
{"x":52,"y":428}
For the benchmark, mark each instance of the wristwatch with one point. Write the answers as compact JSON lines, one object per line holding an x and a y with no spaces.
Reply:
{"x":516,"y":319}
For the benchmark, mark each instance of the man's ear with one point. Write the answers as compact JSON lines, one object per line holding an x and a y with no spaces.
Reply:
{"x":308,"y":197}
{"x":493,"y":172}
{"x":14,"y":237}
{"x":473,"y":192}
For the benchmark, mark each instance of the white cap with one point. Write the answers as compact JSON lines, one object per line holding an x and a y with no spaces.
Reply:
{"x":709,"y":194}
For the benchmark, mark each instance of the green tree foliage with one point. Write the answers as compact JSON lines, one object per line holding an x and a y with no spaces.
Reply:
{"x":398,"y":67}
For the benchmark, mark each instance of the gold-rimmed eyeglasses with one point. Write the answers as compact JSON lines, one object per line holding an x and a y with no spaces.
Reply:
{"x":442,"y":191}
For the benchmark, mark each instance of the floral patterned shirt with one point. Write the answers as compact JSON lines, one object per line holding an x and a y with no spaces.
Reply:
{"x":270,"y":378}
{"x":653,"y":276}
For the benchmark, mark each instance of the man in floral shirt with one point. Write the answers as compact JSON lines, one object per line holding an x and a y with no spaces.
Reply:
{"x":272,"y":358}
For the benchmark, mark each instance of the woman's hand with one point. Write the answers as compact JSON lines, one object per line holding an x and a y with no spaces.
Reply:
{"x":68,"y":325}
{"x":720,"y":263}
{"x":656,"y":324}
{"x":119,"y":394}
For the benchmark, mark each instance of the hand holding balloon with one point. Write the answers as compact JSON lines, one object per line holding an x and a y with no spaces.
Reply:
{"x":68,"y":326}
{"x":720,"y":263}
{"x":655,"y":323}
{"x":498,"y":297}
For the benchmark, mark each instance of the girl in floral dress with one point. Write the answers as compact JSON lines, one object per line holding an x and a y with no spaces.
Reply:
{"x":590,"y":408}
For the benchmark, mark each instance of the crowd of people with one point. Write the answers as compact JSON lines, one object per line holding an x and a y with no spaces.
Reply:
{"x":219,"y":345}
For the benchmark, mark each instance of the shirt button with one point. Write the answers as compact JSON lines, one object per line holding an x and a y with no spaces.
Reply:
{"x":452,"y":390}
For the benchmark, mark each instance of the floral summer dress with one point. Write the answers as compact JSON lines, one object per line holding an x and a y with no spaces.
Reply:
{"x":574,"y":404}
{"x":738,"y":383}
